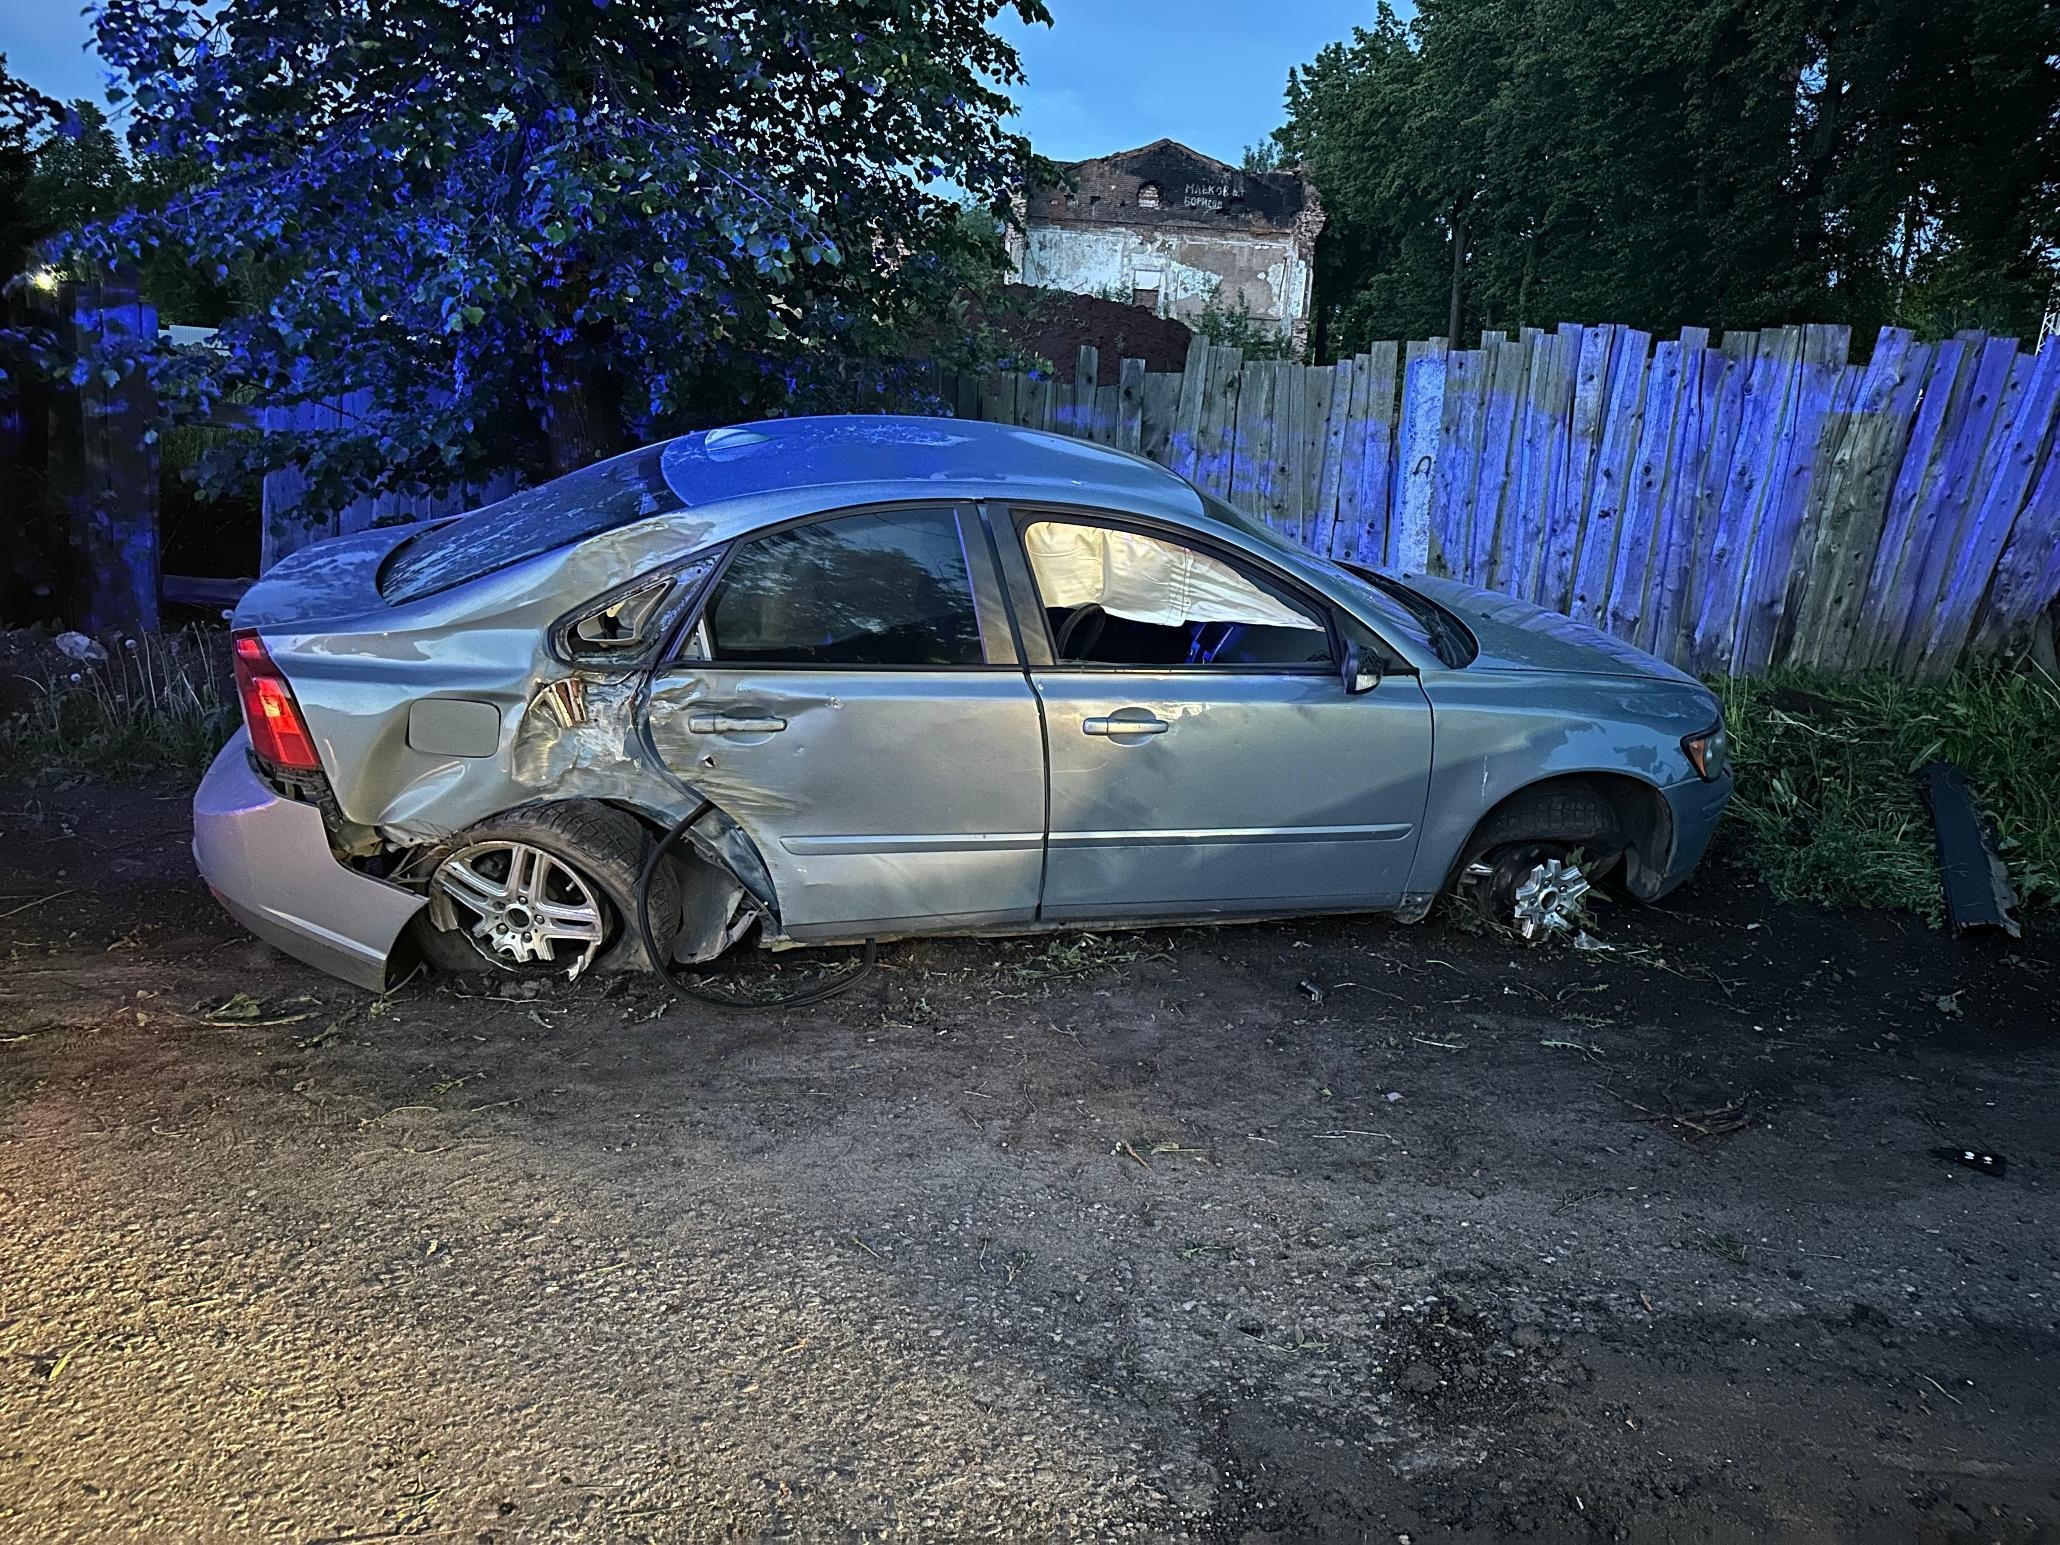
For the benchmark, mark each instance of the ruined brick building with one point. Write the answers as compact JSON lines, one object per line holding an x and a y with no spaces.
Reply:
{"x":1167,"y":227}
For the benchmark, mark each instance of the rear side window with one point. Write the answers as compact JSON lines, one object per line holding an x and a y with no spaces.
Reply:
{"x":529,"y":523}
{"x":887,"y":589}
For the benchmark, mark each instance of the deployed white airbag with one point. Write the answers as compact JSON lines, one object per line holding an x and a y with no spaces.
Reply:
{"x":1146,"y":580}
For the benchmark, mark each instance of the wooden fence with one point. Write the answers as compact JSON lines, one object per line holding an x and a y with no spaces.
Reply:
{"x":1728,"y":507}
{"x":288,"y":522}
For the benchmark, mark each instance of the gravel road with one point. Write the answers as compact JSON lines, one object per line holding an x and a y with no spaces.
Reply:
{"x":1336,"y":1230}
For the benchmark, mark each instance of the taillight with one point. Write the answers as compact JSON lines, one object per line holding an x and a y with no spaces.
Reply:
{"x":278,"y":733}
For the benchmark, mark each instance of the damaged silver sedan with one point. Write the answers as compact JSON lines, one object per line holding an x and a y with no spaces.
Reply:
{"x":880,"y":677}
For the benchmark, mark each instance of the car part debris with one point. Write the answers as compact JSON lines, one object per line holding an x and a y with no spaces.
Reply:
{"x":1977,"y":884}
{"x":1975,"y":1159}
{"x":76,"y":646}
{"x":663,"y":968}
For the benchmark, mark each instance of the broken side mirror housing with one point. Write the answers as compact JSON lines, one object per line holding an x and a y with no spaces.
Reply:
{"x":1360,"y":671}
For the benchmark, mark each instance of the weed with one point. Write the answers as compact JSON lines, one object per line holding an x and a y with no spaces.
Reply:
{"x":1827,"y":807}
{"x":1078,"y":954}
{"x":158,"y":704}
{"x":1729,"y":1248}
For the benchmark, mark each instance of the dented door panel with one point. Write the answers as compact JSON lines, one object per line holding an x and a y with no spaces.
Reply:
{"x":908,"y":798}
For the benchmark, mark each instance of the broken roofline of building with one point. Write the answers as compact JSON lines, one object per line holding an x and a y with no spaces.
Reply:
{"x":1168,"y":228}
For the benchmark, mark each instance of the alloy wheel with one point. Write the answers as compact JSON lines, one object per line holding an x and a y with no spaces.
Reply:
{"x":520,"y":906}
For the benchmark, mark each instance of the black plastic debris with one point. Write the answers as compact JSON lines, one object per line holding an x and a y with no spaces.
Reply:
{"x":1977,"y":885}
{"x":1974,"y":1159}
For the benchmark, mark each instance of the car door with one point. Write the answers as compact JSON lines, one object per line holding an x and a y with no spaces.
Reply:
{"x":849,"y":693}
{"x":1205,"y":755}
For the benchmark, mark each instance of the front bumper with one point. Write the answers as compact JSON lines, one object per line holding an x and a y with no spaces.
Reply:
{"x":267,"y":859}
{"x":1697,"y":806}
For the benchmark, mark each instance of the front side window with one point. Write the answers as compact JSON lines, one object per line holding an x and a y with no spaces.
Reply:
{"x":889,"y":589}
{"x":1117,"y":597}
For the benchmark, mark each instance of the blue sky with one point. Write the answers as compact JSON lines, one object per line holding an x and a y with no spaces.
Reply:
{"x":1107,"y":75}
{"x":1111,"y":74}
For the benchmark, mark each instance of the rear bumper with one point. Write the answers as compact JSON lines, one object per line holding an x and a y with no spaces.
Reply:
{"x":267,"y":859}
{"x":1697,"y":807}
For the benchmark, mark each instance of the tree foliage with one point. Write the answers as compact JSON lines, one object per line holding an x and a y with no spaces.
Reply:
{"x":1736,"y":163}
{"x":533,"y":228}
{"x":26,"y":115}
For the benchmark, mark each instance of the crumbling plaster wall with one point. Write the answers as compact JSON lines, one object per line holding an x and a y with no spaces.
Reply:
{"x":1274,"y":277}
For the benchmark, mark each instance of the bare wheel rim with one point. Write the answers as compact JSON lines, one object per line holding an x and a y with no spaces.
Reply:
{"x":520,"y":906}
{"x":1549,"y":898}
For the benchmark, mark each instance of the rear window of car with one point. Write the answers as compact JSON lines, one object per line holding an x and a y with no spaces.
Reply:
{"x":528,"y":523}
{"x":879,"y":590}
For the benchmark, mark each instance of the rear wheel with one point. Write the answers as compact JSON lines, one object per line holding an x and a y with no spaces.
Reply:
{"x":544,"y":889}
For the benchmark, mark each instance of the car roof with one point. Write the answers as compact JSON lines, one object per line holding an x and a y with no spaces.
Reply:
{"x":793,"y":466}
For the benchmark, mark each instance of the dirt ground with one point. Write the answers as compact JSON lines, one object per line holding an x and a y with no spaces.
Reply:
{"x":1336,"y":1230}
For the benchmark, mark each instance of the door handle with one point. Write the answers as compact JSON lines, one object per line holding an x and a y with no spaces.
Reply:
{"x":1112,"y":726}
{"x":724,"y":724}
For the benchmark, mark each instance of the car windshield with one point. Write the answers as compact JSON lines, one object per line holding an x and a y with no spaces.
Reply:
{"x":1399,"y":608}
{"x":530,"y":522}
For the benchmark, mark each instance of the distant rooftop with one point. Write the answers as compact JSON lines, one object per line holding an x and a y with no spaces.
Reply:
{"x":1169,"y":183}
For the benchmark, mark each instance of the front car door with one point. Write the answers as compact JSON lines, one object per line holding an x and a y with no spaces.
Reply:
{"x":1205,"y":756}
{"x":850,"y":695}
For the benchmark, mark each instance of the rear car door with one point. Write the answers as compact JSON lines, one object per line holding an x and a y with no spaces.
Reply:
{"x":850,"y":694}
{"x":1205,"y":755}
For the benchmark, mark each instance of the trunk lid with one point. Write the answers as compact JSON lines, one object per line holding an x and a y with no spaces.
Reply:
{"x":322,"y":583}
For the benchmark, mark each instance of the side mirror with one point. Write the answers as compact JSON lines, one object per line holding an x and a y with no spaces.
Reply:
{"x":1360,"y":673}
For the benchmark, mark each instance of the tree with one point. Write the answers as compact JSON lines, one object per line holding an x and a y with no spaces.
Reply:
{"x":1736,"y":163}
{"x":80,"y":173}
{"x":25,"y":115}
{"x":533,"y":229}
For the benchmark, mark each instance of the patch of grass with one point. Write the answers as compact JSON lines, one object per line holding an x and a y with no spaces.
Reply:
{"x":1827,"y":807}
{"x":158,"y":705}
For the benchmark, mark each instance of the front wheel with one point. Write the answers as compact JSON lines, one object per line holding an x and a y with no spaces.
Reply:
{"x":1533,"y":862}
{"x":1537,"y":888}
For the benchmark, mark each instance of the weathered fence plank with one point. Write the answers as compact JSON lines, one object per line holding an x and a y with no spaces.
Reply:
{"x":1157,"y":417}
{"x":1184,"y":447}
{"x":1912,"y":504}
{"x":1373,"y":501}
{"x":2006,"y":475}
{"x":1542,"y":453}
{"x":1251,"y":470}
{"x":1756,"y":461}
{"x":1459,"y":450}
{"x":1992,"y":389}
{"x":1625,"y":609}
{"x":1423,"y":399}
{"x":1319,"y":384}
{"x":1674,"y":544}
{"x":1330,"y":482}
{"x":1596,"y":347}
{"x":1772,"y":551}
{"x":1596,"y":556}
{"x":1130,"y":385}
{"x":1485,"y":564}
{"x":1848,"y":507}
{"x":1725,"y":507}
{"x":2028,"y":573}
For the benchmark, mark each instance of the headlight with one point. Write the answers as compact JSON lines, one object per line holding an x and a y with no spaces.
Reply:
{"x":1708,"y":752}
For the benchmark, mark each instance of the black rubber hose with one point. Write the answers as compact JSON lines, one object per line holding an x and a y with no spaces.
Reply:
{"x":661,"y":960}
